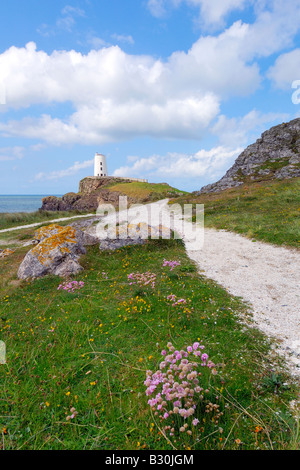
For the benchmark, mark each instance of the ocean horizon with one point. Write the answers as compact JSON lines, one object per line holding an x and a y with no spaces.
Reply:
{"x":21,"y":202}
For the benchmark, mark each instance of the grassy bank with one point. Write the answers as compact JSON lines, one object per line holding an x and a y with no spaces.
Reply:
{"x":267,"y":211}
{"x":77,"y":361}
{"x":14,"y":219}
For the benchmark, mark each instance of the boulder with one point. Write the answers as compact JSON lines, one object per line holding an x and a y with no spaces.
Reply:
{"x":133,"y":234}
{"x":57,"y":252}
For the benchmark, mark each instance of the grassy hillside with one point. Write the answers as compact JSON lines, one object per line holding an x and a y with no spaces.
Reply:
{"x":147,"y":192}
{"x":267,"y":211}
{"x":77,"y":362}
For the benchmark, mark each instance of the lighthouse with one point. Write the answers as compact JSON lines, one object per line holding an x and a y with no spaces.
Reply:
{"x":100,"y":167}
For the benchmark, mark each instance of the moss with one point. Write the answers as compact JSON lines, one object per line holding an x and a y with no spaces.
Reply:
{"x":275,"y":165}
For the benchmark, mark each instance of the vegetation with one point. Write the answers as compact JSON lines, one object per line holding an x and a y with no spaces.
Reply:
{"x":77,"y":357}
{"x":14,"y":219}
{"x":147,"y":192}
{"x":266,"y":210}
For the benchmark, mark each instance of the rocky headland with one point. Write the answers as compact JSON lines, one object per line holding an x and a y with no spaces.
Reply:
{"x":275,"y":155}
{"x":93,"y":191}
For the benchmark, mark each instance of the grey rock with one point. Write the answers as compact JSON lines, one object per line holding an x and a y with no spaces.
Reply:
{"x":57,"y":253}
{"x":115,"y":244}
{"x":275,"y":155}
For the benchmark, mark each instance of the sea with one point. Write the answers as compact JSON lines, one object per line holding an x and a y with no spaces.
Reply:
{"x":21,"y":203}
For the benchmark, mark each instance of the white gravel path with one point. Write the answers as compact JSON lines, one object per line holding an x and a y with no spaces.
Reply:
{"x":267,"y":277}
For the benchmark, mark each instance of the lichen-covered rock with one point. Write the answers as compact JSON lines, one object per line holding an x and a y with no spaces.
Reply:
{"x":57,"y":252}
{"x":276,"y":155}
{"x":6,"y":252}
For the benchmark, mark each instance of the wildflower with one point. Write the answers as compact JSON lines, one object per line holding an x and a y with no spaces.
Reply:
{"x":71,"y":286}
{"x":142,"y":279}
{"x":175,"y":387}
{"x":171,"y":264}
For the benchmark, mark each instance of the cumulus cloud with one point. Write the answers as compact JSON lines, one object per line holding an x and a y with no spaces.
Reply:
{"x":116,"y":96}
{"x":285,"y":70}
{"x":209,"y":163}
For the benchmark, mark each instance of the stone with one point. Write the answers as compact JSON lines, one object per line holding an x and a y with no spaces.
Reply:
{"x":133,"y":234}
{"x":57,"y":252}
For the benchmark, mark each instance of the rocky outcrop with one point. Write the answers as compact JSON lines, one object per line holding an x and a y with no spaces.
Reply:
{"x":57,"y":252}
{"x":276,"y":155}
{"x":92,"y":192}
{"x":92,"y":183}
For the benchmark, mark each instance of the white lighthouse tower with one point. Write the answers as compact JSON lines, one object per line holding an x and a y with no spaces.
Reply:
{"x":100,"y":167}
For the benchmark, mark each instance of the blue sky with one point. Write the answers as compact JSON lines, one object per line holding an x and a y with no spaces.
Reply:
{"x":169,"y":90}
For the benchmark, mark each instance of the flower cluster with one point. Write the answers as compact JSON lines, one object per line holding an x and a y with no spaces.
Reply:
{"x":172,"y":298}
{"x":175,"y":388}
{"x":142,"y":279}
{"x":172,"y":264}
{"x":71,"y":286}
{"x":182,"y":304}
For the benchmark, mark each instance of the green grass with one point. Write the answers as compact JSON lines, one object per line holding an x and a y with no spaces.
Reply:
{"x":267,"y":211}
{"x":14,"y":219}
{"x":90,"y":351}
{"x":147,"y":192}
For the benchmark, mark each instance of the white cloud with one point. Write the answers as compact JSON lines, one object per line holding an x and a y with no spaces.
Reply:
{"x":118,"y":96}
{"x":285,"y":70}
{"x":245,"y":130}
{"x":209,"y":163}
{"x":211,"y":12}
{"x":115,"y":96}
{"x":72,"y":170}
{"x":123,"y":38}
{"x":66,"y":21}
{"x":11,"y":153}
{"x":157,"y":7}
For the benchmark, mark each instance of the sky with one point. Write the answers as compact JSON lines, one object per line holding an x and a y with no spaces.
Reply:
{"x":168,"y":90}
